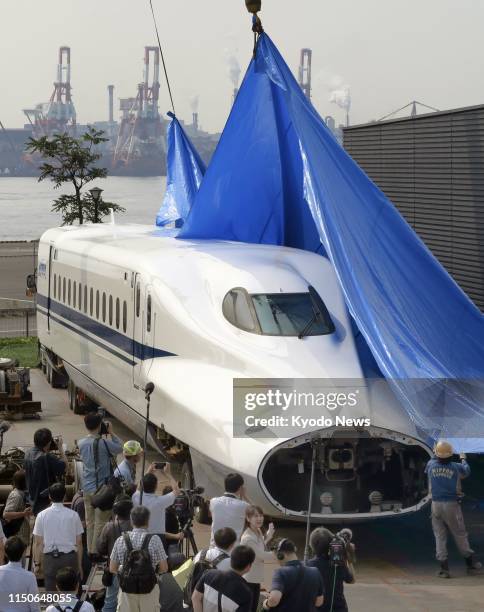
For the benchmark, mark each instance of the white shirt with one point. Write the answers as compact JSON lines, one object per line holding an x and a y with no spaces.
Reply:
{"x":212,"y":553}
{"x":125,"y":470}
{"x":14,"y":579}
{"x":227,"y":511}
{"x":86,"y":606}
{"x":157,"y":505}
{"x":59,"y":527}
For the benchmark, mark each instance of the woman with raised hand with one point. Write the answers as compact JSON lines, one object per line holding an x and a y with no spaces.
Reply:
{"x":255,"y":538}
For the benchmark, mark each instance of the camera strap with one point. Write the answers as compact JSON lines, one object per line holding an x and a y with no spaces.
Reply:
{"x":112,"y":461}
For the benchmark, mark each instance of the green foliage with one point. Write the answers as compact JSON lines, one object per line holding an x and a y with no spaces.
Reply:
{"x":72,"y":160}
{"x":23,"y":349}
{"x":68,"y":206}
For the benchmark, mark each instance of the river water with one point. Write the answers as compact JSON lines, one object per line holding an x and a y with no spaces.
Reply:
{"x":25,"y":203}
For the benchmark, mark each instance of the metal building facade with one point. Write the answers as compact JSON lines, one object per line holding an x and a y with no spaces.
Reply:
{"x":432,"y":168}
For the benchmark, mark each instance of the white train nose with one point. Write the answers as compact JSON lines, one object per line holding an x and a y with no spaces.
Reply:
{"x":364,"y":475}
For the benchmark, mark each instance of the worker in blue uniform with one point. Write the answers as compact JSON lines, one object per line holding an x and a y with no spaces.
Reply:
{"x":445,"y":476}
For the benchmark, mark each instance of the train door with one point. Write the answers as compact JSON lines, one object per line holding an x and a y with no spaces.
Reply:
{"x":143,"y":331}
{"x":50,"y":281}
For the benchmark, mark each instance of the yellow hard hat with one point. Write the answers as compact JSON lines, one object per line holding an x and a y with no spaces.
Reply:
{"x":443,"y":449}
{"x":132,"y":448}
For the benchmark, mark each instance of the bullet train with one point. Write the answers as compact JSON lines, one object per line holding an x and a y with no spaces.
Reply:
{"x":120,"y":306}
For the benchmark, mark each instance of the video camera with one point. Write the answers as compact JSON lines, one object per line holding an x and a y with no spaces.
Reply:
{"x":186,"y":502}
{"x":341,"y":551}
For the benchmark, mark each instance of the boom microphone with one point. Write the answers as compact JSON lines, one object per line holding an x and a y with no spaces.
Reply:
{"x":150,"y":387}
{"x":4,"y":426}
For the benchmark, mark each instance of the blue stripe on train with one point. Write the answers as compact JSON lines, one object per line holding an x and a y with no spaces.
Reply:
{"x":105,"y":333}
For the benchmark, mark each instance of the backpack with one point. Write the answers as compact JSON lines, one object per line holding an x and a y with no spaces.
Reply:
{"x":138,"y":575}
{"x":76,"y":608}
{"x":198,"y":570}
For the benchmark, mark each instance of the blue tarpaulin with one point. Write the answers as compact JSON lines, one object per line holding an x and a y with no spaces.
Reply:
{"x":278,"y":176}
{"x":185,"y":170}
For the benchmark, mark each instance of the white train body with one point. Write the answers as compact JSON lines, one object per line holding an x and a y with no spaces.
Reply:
{"x":125,"y":305}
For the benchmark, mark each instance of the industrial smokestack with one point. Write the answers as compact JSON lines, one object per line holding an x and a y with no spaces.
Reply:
{"x":195,"y":121}
{"x":305,"y":72}
{"x":111,"y":103}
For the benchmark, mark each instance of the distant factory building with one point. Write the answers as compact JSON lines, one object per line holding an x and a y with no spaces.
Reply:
{"x":431,"y":167}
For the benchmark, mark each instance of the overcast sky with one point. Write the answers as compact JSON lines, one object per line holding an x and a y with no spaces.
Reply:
{"x":388,"y":52}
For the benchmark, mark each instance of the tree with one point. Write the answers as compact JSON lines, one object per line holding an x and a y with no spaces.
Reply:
{"x":72,"y":160}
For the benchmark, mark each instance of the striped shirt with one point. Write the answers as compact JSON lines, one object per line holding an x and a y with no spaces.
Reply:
{"x":155,"y":547}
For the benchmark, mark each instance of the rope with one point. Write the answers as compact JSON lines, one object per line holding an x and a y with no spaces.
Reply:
{"x":162,"y":58}
{"x":258,"y":30}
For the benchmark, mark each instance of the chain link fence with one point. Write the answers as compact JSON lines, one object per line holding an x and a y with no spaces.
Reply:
{"x":17,"y":315}
{"x":17,"y":321}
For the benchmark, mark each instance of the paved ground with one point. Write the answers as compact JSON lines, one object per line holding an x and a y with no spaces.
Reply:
{"x":395,"y":568}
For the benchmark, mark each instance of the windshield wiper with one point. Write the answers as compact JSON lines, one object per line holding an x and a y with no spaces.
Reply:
{"x":316,"y":315}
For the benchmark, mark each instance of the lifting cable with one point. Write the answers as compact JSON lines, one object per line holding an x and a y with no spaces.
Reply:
{"x":254,"y":7}
{"x":162,"y":58}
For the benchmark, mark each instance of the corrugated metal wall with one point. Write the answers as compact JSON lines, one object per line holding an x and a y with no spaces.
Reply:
{"x":432,"y":168}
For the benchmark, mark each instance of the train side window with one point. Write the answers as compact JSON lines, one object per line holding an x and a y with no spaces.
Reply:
{"x":69,"y":292}
{"x":64,"y":289}
{"x":74,"y":294}
{"x":79,"y":299}
{"x":104,"y":307}
{"x":148,"y":314}
{"x":117,"y":313}
{"x":110,"y":310}
{"x":138,"y":298}
{"x":85,"y":300}
{"x":97,"y":304}
{"x":55,"y":285}
{"x":125,"y":316}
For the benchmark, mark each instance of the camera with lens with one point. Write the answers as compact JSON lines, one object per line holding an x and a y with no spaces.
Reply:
{"x":54,"y":444}
{"x":104,"y":428}
{"x":341,"y":550}
{"x":186,"y":502}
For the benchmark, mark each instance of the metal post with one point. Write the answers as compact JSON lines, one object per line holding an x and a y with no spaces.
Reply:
{"x":27,"y":323}
{"x":310,"y":504}
{"x":145,"y":444}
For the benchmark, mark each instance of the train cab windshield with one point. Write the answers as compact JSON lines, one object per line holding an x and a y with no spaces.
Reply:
{"x":278,"y":314}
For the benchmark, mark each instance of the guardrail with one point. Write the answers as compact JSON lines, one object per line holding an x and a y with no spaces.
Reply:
{"x":17,"y":318}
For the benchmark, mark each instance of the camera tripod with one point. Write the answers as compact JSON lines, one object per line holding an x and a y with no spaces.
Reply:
{"x":188,"y":543}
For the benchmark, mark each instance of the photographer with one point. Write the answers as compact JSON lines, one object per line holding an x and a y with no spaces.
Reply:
{"x":132,"y":453}
{"x":156,"y":504}
{"x":97,"y":452}
{"x":105,"y":544}
{"x":229,"y":509}
{"x":16,"y":513}
{"x":42,"y":468}
{"x":294,"y":586}
{"x":334,"y":575}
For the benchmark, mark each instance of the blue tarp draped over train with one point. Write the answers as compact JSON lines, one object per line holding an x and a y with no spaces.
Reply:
{"x":185,"y":170}
{"x":279,"y":177}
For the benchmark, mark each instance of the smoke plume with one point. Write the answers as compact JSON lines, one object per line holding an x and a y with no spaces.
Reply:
{"x":194,"y":100}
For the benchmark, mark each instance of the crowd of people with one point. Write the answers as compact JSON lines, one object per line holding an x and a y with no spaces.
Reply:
{"x":136,"y":538}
